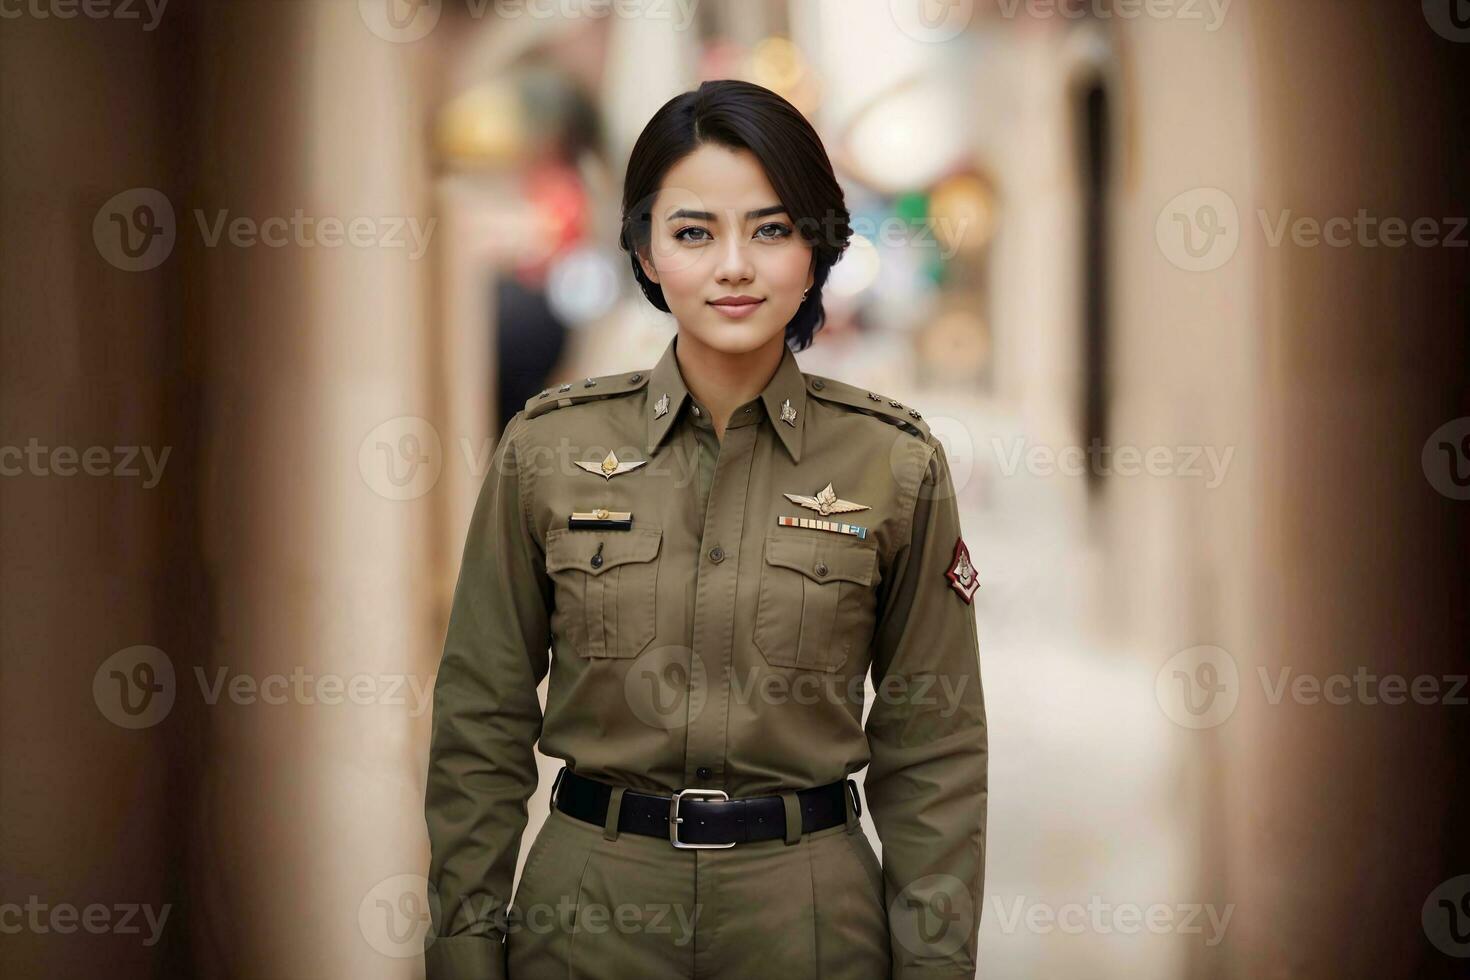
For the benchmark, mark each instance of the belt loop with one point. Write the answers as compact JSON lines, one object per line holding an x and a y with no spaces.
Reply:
{"x":850,"y":803}
{"x":614,"y":807}
{"x":793,"y":815}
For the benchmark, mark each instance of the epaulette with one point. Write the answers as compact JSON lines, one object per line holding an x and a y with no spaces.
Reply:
{"x":879,"y":406}
{"x":586,"y":390}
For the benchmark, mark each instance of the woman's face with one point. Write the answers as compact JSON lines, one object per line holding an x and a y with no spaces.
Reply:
{"x":725,"y":251}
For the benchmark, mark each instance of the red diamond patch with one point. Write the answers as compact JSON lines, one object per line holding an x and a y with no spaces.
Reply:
{"x":961,"y":572}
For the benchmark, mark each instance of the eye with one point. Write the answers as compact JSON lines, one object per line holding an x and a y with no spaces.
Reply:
{"x":779,"y":231}
{"x":687,"y":234}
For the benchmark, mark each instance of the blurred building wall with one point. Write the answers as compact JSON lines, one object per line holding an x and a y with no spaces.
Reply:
{"x":90,"y":565}
{"x":1342,"y":819}
{"x":268,"y":837}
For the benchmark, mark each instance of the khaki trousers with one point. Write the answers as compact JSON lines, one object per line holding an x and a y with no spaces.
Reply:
{"x":595,"y":904}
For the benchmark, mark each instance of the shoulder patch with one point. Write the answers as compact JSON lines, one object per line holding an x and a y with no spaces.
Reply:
{"x":879,"y":406}
{"x":586,"y":390}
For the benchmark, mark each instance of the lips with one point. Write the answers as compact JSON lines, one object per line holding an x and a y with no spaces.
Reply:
{"x":736,"y":307}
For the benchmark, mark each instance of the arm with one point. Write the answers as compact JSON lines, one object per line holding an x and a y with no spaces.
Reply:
{"x":486,"y":720}
{"x":927,"y":777}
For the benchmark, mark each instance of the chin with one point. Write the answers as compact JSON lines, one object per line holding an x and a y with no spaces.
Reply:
{"x":728,"y":337}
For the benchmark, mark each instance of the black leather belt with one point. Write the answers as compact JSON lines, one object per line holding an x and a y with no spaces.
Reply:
{"x":705,"y":817}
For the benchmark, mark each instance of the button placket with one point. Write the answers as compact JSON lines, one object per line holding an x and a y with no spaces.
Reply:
{"x":713,"y":626}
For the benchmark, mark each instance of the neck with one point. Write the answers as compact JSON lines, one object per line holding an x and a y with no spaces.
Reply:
{"x":722,"y":381}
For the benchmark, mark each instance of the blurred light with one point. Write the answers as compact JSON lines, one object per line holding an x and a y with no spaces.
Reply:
{"x":555,"y":192}
{"x":482,"y":126}
{"x":907,"y":138}
{"x":962,"y":210}
{"x":582,"y":285}
{"x":777,"y":64}
{"x":955,"y":346}
{"x":905,"y":295}
{"x":721,"y":58}
{"x":857,"y":270}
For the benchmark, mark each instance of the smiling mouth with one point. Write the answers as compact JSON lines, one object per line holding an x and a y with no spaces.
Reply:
{"x":736,"y":311}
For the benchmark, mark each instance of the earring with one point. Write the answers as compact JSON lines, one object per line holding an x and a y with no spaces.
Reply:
{"x":805,"y":291}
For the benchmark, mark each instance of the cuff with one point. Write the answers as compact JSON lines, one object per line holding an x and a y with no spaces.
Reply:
{"x":944,"y":971}
{"x":465,"y":958}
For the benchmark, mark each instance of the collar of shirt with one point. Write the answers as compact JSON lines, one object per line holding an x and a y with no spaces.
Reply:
{"x":784,"y":399}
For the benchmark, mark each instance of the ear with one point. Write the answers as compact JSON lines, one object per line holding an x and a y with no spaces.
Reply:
{"x":648,"y":269}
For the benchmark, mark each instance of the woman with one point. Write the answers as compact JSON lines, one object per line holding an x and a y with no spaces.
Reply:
{"x":716,"y":550}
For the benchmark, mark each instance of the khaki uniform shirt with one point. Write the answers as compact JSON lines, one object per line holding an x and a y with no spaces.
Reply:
{"x":696,"y":640}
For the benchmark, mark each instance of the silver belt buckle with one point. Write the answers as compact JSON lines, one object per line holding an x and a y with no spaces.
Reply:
{"x":675,"y":819}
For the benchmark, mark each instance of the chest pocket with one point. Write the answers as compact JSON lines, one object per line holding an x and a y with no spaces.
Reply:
{"x":816,"y":603}
{"x":606,"y":585}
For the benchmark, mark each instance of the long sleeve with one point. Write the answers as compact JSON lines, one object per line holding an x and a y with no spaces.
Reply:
{"x":927,"y":777}
{"x":486,"y":720}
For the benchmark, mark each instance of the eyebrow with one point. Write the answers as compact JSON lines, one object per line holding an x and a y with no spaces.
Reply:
{"x":708,"y":216}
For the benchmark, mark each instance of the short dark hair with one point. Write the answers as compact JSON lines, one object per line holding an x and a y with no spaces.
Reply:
{"x":742,"y":115}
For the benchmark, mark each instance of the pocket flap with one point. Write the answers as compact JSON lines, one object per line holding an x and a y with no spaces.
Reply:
{"x":566,"y":548}
{"x":821,"y":559}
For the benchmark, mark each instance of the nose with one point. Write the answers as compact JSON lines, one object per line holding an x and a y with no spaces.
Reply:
{"x":734,"y":263}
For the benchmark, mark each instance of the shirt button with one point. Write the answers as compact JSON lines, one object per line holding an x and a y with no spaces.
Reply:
{"x":703,"y":772}
{"x":717,"y":554}
{"x":821,"y":568}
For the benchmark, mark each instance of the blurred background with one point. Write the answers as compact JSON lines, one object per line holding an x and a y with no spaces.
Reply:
{"x":1181,"y":285}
